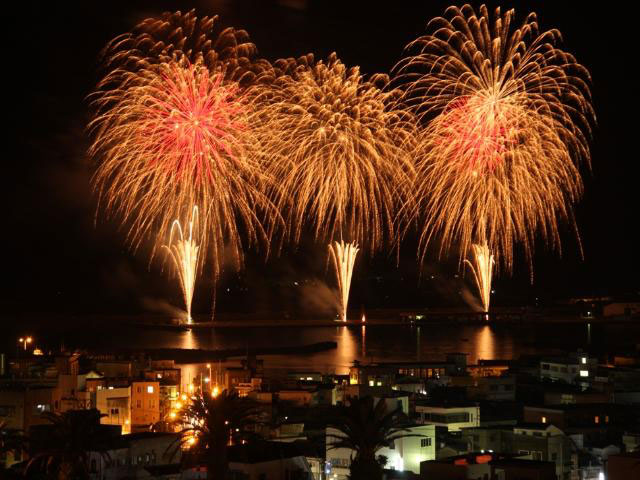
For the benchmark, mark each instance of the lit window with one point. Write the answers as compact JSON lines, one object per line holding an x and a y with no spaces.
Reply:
{"x":150,"y":389}
{"x":544,"y":420}
{"x":583,"y":360}
{"x":371,"y":383}
{"x":584,"y":373}
{"x":606,"y":419}
{"x":309,"y":378}
{"x":596,"y":419}
{"x":379,"y":384}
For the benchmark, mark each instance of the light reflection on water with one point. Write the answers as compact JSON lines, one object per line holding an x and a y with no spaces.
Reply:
{"x":364,"y":343}
{"x":370,"y":343}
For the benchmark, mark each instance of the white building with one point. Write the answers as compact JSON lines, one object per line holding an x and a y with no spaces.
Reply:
{"x":404,"y":455}
{"x":452,"y":416}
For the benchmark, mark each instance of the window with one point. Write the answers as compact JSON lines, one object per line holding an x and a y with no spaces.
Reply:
{"x":425,"y":442}
{"x":584,"y":373}
{"x":150,"y":389}
{"x":606,"y":419}
{"x":543,"y":420}
{"x":583,"y":360}
{"x":139,"y":389}
{"x":545,"y":366}
{"x":138,"y":403}
{"x":554,"y":457}
{"x":371,"y":383}
{"x":596,"y":419}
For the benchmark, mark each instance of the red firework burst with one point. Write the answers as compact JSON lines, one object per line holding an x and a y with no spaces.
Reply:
{"x":193,"y":120}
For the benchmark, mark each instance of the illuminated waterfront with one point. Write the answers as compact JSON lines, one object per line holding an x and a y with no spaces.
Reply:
{"x":370,"y":343}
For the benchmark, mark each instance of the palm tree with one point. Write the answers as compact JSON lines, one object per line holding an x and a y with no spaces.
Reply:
{"x":215,"y":423}
{"x":365,"y":428}
{"x":63,"y":447}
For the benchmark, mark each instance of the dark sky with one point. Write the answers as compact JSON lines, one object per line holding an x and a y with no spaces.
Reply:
{"x":57,"y":259}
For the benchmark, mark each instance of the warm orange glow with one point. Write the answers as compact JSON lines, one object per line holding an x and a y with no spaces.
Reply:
{"x":215,"y":392}
{"x":484,"y":458}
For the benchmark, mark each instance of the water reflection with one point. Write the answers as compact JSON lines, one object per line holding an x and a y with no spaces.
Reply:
{"x":189,"y":371}
{"x":347,"y":350}
{"x":364,"y":341}
{"x":485,"y":344}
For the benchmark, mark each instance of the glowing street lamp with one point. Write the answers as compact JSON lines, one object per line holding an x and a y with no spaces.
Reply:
{"x":25,"y":341}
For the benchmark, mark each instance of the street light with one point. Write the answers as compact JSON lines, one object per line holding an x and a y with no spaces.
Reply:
{"x":24,"y":341}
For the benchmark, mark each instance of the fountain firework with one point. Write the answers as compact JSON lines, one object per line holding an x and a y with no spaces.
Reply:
{"x":344,"y":258}
{"x":183,"y":252}
{"x":481,"y":266}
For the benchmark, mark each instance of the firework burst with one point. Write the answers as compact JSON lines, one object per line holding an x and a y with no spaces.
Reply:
{"x":336,"y":142}
{"x":171,"y":135}
{"x":508,"y":117}
{"x":186,"y":38}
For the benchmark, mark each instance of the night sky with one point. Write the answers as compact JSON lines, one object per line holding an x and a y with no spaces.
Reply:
{"x":58,"y":258}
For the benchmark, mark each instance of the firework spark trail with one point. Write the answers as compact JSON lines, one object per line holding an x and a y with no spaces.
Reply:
{"x":183,"y":37}
{"x":344,"y":258}
{"x":508,"y":116}
{"x":183,"y":252}
{"x":481,"y":266}
{"x":171,"y":131}
{"x":337,"y":143}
